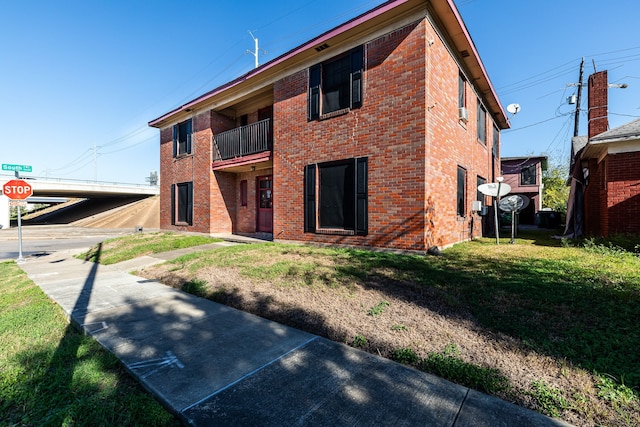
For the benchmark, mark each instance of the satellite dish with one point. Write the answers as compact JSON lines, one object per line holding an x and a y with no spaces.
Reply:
{"x":525,"y":201}
{"x":491,"y":189}
{"x":511,"y":204}
{"x":513,"y":108}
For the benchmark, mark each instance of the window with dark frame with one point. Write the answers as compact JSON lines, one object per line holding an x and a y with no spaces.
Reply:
{"x":336,"y":196}
{"x":336,"y":84}
{"x":243,"y":192}
{"x":482,"y":127}
{"x":461,"y":198}
{"x":462,"y":100}
{"x":528,"y":175}
{"x":182,"y":138}
{"x":182,"y":203}
{"x":479,"y":194}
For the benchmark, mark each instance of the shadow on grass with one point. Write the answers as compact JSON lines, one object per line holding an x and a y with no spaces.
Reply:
{"x":552,"y":306}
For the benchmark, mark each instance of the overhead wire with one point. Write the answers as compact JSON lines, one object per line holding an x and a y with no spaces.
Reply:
{"x":92,"y":153}
{"x":75,"y":161}
{"x":529,"y":82}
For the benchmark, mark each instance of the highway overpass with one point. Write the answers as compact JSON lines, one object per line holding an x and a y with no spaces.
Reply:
{"x":54,"y":189}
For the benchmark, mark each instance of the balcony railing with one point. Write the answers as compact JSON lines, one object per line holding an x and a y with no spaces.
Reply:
{"x":243,"y":141}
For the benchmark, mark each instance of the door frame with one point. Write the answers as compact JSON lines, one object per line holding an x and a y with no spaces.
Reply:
{"x":260,"y":210}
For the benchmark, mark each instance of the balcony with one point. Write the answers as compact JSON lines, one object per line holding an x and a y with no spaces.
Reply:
{"x":241,"y":142}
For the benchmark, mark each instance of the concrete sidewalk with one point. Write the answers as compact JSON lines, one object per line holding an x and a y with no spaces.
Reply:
{"x":214,"y":365}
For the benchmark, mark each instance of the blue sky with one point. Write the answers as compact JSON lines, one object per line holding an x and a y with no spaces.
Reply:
{"x":81,"y":79}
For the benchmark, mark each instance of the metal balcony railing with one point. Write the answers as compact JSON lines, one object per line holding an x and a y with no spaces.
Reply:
{"x":243,"y":141}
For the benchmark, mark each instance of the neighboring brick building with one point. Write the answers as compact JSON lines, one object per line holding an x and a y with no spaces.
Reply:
{"x":524,"y":175}
{"x":605,"y":197}
{"x":373,"y":134}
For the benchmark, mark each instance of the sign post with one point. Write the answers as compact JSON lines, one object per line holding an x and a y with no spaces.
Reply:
{"x":17,"y":189}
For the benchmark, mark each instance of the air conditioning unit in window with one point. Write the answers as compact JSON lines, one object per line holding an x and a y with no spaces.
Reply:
{"x":463,"y":114}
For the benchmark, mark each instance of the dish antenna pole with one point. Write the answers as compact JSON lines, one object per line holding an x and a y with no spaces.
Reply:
{"x":495,"y":207}
{"x":257,"y":50}
{"x":495,"y":190}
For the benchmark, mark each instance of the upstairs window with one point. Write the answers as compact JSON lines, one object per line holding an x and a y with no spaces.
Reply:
{"x":462,"y":99}
{"x":336,"y":85}
{"x":182,"y":138}
{"x":528,"y":175}
{"x":482,"y":126}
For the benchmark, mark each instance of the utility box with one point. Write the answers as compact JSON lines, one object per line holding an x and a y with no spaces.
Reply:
{"x":548,"y":219}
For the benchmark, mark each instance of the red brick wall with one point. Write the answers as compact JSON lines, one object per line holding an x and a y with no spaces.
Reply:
{"x":623,"y":190}
{"x":214,"y":194}
{"x":594,"y":200}
{"x":187,"y":168}
{"x":246,"y":218}
{"x":222,"y":188}
{"x":598,"y":95}
{"x":167,"y":176}
{"x":408,"y":127}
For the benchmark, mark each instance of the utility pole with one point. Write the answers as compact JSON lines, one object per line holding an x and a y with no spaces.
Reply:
{"x":255,"y":53}
{"x":576,"y":129}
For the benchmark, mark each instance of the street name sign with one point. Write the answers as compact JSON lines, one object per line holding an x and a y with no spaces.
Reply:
{"x":16,"y":168}
{"x":17,"y":189}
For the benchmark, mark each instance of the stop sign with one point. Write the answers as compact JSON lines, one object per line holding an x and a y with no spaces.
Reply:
{"x":17,"y":189}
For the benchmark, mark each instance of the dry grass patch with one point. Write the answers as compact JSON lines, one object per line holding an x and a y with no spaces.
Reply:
{"x":534,"y":323}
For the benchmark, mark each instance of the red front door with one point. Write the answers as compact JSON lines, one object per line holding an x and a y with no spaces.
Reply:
{"x":265,"y":204}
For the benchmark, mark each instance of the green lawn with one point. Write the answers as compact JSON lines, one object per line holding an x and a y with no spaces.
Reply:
{"x":124,"y":248}
{"x":52,"y":375}
{"x":576,"y":303}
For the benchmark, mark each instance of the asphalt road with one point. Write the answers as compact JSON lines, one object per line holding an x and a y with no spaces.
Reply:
{"x":38,"y":239}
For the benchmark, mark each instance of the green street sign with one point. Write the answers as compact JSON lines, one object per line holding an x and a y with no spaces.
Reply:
{"x":19,"y":168}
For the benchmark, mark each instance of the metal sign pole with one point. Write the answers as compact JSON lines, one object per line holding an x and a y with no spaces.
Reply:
{"x":20,"y":257}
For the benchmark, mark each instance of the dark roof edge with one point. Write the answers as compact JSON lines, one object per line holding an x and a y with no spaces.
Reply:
{"x":352,"y":23}
{"x":476,"y":55}
{"x":384,"y":7}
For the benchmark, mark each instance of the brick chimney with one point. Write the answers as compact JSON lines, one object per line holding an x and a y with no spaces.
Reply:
{"x":598,"y":103}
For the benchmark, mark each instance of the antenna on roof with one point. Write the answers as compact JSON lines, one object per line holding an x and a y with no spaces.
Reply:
{"x":255,"y":53}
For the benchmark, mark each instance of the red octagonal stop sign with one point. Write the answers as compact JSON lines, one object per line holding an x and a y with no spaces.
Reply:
{"x":17,"y":189}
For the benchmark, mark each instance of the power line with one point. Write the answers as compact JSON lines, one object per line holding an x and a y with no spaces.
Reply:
{"x":534,"y":124}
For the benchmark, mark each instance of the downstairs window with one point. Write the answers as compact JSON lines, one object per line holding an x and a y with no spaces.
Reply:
{"x":182,"y":203}
{"x":336,"y":199}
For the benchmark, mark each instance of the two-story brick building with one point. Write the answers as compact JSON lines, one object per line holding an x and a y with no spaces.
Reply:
{"x":375,"y":133}
{"x":524,"y":175}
